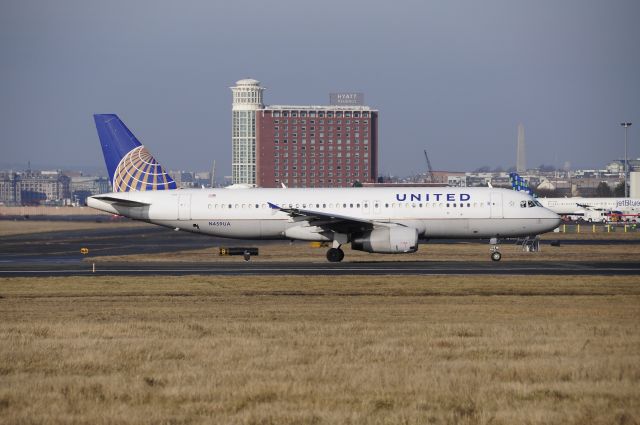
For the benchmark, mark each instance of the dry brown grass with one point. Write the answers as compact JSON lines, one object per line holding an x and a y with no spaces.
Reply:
{"x":307,"y":350}
{"x":22,"y":227}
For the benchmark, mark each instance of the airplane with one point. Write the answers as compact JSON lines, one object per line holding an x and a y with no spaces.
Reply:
{"x":579,"y":206}
{"x":381,"y":220}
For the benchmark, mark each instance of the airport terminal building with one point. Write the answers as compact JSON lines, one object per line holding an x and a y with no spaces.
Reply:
{"x":302,"y":146}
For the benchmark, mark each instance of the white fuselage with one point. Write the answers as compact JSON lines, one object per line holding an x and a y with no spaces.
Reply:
{"x":578,"y":205}
{"x":245,"y":213}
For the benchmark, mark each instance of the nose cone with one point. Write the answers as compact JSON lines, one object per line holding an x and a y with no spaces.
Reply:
{"x":552,"y":219}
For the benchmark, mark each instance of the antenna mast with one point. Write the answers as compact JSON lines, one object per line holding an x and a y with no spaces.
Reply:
{"x":430,"y":176}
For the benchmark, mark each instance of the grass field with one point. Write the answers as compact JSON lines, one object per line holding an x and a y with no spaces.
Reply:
{"x":313,"y":350}
{"x":22,"y":227}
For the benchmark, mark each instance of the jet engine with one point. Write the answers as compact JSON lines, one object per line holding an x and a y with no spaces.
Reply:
{"x":387,"y":240}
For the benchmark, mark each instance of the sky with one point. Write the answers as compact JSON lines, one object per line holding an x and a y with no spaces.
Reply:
{"x":454,"y":77}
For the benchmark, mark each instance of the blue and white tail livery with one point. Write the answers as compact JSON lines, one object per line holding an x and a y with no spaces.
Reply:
{"x":519,"y":184}
{"x":130,"y":165}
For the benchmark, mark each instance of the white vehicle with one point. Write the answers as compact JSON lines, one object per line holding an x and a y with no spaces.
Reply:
{"x":381,"y":220}
{"x":596,"y":216}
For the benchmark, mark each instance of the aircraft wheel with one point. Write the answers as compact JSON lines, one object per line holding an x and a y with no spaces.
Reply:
{"x":496,"y":256}
{"x":335,"y":255}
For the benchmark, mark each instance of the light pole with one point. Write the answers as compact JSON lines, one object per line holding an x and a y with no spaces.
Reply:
{"x":626,"y":126}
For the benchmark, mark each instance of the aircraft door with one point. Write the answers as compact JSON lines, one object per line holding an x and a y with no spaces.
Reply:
{"x":184,"y":207}
{"x":496,"y":205}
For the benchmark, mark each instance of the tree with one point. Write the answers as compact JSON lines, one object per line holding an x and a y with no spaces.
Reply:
{"x":603,"y":190}
{"x":619,"y":190}
{"x":546,"y":168}
{"x":548,"y":193}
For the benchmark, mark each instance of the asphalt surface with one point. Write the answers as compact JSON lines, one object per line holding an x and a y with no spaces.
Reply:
{"x":420,"y":268}
{"x":58,"y":254}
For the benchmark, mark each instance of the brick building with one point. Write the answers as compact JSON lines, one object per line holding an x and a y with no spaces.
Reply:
{"x":301,"y":146}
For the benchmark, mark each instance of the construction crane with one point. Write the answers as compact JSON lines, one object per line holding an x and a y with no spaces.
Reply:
{"x":431,"y":178}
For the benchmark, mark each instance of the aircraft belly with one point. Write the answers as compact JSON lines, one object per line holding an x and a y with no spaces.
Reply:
{"x":234,"y":229}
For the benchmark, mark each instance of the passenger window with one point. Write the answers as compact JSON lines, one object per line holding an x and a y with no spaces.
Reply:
{"x":447,"y":205}
{"x":230,"y":206}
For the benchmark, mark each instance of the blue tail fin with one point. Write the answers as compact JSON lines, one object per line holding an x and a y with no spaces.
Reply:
{"x":131,"y":167}
{"x":519,"y":184}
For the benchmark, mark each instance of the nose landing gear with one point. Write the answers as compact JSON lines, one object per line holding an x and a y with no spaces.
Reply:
{"x":495,"y":249}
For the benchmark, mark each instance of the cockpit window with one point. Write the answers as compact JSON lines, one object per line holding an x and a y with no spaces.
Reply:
{"x":523,"y":204}
{"x":531,"y":204}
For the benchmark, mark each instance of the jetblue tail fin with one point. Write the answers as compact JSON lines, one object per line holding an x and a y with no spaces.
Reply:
{"x":519,"y":184}
{"x":130,"y":165}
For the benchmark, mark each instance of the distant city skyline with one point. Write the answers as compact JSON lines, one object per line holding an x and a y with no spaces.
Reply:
{"x":454,"y":78}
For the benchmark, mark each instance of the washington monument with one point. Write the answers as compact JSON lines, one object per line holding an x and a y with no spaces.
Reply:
{"x":521,"y":159}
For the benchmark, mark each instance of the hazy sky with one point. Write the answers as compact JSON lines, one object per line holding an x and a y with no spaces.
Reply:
{"x":451,"y":76}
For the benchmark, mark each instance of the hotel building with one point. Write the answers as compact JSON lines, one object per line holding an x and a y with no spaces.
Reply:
{"x":301,"y":146}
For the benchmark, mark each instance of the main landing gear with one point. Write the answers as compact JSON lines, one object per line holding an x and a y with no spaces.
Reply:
{"x":335,"y":255}
{"x":495,"y":249}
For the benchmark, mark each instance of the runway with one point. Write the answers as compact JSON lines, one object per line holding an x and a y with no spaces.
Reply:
{"x":417,"y":268}
{"x":58,"y":254}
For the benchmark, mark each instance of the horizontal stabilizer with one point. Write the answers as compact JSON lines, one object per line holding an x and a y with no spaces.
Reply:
{"x":121,"y":202}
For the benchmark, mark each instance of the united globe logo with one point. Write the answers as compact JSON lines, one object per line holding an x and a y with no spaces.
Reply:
{"x":139,"y":171}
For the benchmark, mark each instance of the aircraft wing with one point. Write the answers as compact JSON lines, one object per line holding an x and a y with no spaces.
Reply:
{"x":336,"y":222}
{"x":587,"y":206}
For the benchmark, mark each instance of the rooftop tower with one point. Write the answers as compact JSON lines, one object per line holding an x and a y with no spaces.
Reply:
{"x":247,"y":99}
